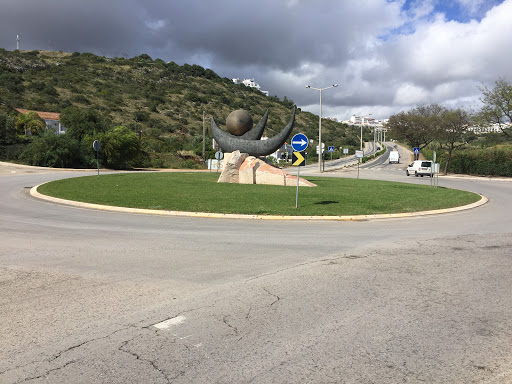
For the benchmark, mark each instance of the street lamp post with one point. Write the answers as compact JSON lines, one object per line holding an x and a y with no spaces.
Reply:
{"x":362,"y":123}
{"x":320,"y":152}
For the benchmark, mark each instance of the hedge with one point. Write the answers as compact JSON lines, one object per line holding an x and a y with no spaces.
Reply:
{"x":489,"y":162}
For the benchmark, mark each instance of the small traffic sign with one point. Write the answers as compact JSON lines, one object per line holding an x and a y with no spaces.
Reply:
{"x":298,"y":159}
{"x":299,"y":142}
{"x":345,"y":151}
{"x":331,"y":149}
{"x":416,"y":150}
{"x":219,"y":155}
{"x":359,"y":154}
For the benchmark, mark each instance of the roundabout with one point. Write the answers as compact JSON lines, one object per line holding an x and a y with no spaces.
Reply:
{"x":34,"y":192}
{"x":121,"y":297}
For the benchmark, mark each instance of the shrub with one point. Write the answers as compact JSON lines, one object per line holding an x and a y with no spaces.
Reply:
{"x":51,"y":150}
{"x":497,"y":162}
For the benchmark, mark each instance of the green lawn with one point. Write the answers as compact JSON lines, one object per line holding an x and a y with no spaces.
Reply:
{"x":200,"y":192}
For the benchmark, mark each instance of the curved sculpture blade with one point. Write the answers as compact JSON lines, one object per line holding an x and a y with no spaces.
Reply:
{"x":230,"y":143}
{"x":257,"y":131}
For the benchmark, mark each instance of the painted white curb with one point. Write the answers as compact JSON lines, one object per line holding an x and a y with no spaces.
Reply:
{"x":35,"y":193}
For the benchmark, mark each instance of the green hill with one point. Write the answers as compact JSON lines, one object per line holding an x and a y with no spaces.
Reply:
{"x":162,"y":102}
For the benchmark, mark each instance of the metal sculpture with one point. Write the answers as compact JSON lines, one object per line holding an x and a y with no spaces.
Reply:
{"x":250,"y":141}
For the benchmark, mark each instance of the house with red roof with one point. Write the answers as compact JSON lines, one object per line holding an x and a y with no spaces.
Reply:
{"x":51,"y":119}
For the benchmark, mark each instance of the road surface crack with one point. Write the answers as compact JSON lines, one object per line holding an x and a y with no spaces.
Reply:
{"x":231,"y":326}
{"x":295,"y":266}
{"x":59,"y":354}
{"x":47,"y":372}
{"x":55,"y":357}
{"x":123,"y":348}
{"x":274,"y":295}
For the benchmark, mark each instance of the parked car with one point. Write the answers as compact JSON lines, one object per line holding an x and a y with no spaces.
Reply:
{"x":420,"y":168}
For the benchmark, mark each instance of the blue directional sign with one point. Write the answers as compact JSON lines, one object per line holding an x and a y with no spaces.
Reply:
{"x":299,"y":142}
{"x":331,"y":149}
{"x":416,"y":150}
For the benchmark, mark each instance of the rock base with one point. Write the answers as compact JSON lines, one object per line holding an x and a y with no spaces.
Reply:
{"x":244,"y":169}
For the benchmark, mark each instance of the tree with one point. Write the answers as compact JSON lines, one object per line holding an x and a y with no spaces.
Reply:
{"x":51,"y":150}
{"x":418,"y":127}
{"x":455,"y":124}
{"x":29,"y":124}
{"x":82,"y":122}
{"x":497,"y":105}
{"x":120,"y":147}
{"x":7,"y":129}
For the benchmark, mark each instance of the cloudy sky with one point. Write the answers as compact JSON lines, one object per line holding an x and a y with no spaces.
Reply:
{"x":386,"y":55}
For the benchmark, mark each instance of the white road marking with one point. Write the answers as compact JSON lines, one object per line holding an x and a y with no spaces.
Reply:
{"x":170,"y":322}
{"x":182,"y":338}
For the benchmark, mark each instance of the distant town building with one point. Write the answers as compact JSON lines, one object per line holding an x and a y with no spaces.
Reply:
{"x":51,"y":119}
{"x":493,"y":128}
{"x":249,"y":83}
{"x":364,"y":120}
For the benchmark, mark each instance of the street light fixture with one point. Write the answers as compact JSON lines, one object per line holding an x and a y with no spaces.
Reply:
{"x":320,"y":152}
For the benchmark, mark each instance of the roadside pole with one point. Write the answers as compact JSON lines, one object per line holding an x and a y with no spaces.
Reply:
{"x":219,"y":156}
{"x":297,"y":193}
{"x":359,"y":155}
{"x":432,"y":167}
{"x":96,"y":146}
{"x":299,"y":144}
{"x":433,"y":170}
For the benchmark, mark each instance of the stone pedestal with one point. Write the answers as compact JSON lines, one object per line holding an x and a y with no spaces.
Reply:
{"x":244,"y":169}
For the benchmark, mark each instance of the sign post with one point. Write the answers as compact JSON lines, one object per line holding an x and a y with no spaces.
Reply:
{"x":331,"y":150}
{"x":219,"y":156}
{"x":416,"y":151}
{"x":96,"y":146}
{"x":299,"y":144}
{"x":432,"y":169}
{"x":359,"y":156}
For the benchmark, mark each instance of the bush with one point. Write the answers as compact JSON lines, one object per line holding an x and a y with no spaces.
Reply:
{"x":11,"y":152}
{"x":120,"y":148}
{"x":51,"y":150}
{"x":497,"y":162}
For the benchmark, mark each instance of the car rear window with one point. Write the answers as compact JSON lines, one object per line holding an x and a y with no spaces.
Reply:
{"x":425,"y":164}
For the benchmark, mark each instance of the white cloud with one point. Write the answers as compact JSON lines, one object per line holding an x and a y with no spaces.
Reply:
{"x":472,"y":7}
{"x":384,"y":59}
{"x":410,"y":94}
{"x":155,"y":25}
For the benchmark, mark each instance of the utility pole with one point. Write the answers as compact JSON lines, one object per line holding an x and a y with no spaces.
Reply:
{"x":204,"y":141}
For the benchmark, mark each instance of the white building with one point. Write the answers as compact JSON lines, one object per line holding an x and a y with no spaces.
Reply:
{"x":51,"y":119}
{"x":493,"y":128}
{"x":364,"y":120}
{"x":249,"y":83}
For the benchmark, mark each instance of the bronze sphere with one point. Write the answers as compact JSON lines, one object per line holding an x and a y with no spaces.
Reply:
{"x":239,"y":122}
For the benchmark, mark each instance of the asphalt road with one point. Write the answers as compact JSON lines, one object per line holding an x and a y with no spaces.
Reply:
{"x":101,"y":297}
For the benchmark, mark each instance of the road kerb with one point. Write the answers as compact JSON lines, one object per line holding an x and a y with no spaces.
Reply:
{"x":36,"y":194}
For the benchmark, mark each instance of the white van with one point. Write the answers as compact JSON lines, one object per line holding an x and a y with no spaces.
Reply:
{"x":420,"y":168}
{"x":394,"y":157}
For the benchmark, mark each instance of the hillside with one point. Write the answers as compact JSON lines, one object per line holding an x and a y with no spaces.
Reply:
{"x":163,"y":101}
